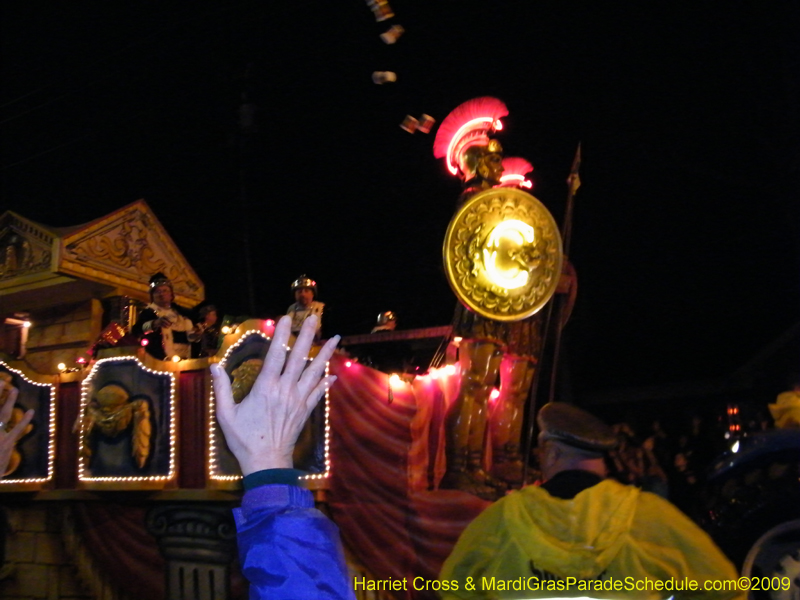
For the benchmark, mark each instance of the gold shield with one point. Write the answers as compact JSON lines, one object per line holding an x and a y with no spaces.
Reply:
{"x":502,"y":254}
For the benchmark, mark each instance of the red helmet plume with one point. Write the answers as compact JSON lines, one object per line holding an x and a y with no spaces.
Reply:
{"x":468,"y":125}
{"x":514,"y":171}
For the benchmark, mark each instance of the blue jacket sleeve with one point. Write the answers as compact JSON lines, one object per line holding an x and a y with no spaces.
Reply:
{"x":288,"y":549}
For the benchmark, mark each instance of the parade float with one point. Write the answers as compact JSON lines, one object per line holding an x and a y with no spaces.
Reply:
{"x":126,"y":450}
{"x":124,"y":480}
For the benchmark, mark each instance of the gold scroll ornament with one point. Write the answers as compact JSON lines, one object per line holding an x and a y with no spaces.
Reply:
{"x":502,"y":254}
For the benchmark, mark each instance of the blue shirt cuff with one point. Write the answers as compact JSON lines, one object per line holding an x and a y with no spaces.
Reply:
{"x":271,"y":477}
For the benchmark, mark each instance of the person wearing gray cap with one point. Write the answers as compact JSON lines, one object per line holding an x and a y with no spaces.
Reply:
{"x":581,"y":534}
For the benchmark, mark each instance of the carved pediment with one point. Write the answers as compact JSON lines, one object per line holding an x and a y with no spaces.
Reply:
{"x":125,"y":248}
{"x":25,"y":247}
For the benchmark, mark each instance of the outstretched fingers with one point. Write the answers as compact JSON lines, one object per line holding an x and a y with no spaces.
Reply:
{"x":275,"y":359}
{"x":302,"y":345}
{"x":310,"y":377}
{"x":223,"y":394}
{"x":5,"y":412}
{"x":318,"y":392}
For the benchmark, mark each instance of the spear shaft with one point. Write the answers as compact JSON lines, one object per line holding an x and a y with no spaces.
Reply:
{"x":573,"y":183}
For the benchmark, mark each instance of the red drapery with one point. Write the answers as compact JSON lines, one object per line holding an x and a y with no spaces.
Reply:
{"x":192,"y":432}
{"x":386,"y":460}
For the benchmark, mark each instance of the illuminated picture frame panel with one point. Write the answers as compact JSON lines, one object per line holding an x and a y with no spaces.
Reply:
{"x":35,"y":451}
{"x":113,"y":427}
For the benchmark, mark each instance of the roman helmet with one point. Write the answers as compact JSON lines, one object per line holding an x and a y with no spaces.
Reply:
{"x":463,"y":137}
{"x":304,"y":281}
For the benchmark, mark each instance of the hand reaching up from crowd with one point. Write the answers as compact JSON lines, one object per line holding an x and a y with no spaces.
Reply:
{"x":262,"y":429}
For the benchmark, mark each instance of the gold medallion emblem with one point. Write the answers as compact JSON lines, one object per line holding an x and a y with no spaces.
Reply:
{"x":502,"y":254}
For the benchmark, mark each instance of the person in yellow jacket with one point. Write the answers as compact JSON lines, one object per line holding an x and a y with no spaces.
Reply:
{"x":580,"y":534}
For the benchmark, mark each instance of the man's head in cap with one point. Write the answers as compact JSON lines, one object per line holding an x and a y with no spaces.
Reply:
{"x":571,"y":438}
{"x":161,"y":292}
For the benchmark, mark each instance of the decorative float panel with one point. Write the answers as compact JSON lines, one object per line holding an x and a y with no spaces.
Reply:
{"x":31,"y":465}
{"x":127,"y":426}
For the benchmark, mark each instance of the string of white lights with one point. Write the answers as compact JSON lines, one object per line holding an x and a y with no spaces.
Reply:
{"x":85,"y":388}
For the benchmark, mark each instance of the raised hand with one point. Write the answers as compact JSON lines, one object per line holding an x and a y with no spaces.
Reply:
{"x":262,"y":430}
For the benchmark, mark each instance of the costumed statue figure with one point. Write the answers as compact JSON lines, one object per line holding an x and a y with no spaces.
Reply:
{"x":488,"y":347}
{"x":9,"y":393}
{"x":111,"y":413}
{"x":166,"y":327}
{"x":305,"y":292}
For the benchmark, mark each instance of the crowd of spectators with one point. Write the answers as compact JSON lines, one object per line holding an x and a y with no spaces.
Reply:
{"x":672,"y":462}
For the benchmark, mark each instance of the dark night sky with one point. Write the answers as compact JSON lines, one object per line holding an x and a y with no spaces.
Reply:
{"x":686,"y":229}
